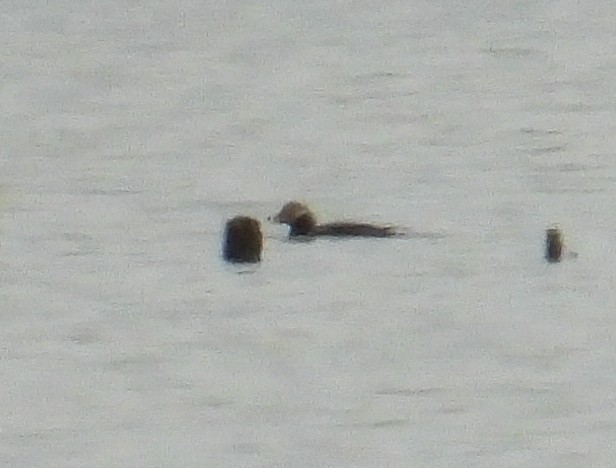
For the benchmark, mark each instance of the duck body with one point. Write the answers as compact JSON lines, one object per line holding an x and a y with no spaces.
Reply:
{"x":354,"y":230}
{"x":303,"y":223}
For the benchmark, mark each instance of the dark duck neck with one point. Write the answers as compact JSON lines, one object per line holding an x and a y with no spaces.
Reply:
{"x":304,"y":225}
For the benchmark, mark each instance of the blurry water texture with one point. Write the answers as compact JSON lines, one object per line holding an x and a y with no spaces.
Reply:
{"x":131,"y":131}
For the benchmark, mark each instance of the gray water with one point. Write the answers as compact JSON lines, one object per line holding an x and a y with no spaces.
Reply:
{"x":131,"y":131}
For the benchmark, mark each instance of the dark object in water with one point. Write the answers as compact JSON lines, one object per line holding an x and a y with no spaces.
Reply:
{"x":554,"y":245}
{"x":303,"y":223}
{"x":243,"y":240}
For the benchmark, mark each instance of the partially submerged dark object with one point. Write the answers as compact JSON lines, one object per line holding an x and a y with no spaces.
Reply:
{"x":303,"y":223}
{"x":554,"y":245}
{"x":243,"y":242}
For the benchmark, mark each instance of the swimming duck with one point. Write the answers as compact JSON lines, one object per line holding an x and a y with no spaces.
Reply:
{"x":303,"y":223}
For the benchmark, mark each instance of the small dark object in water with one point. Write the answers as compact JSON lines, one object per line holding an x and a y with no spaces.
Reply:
{"x":303,"y":223}
{"x":554,"y":245}
{"x":243,"y":240}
